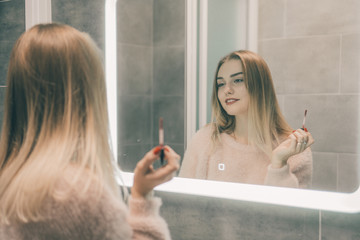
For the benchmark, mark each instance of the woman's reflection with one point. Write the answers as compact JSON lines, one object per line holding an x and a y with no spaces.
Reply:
{"x":249,"y":140}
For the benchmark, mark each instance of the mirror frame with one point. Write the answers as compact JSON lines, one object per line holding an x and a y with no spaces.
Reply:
{"x":310,"y":199}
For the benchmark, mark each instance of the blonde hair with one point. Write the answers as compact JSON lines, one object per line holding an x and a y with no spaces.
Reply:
{"x":266,"y":124}
{"x":55,"y":117}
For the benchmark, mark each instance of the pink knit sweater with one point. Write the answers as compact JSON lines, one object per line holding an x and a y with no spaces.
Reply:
{"x":235,"y":162}
{"x":92,"y":216}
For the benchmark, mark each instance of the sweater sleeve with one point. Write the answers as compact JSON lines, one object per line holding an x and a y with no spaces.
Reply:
{"x":297,"y":173}
{"x":301,"y":165}
{"x":145,"y":220}
{"x":281,"y":177}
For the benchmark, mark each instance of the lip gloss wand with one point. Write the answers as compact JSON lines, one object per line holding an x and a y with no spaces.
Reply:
{"x":303,"y":125}
{"x":161,"y":140}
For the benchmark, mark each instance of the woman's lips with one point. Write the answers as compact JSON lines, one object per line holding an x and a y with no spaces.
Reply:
{"x":230,"y":101}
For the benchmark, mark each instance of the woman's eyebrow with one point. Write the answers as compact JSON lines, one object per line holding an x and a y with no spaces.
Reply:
{"x":232,"y":75}
{"x":235,"y":74}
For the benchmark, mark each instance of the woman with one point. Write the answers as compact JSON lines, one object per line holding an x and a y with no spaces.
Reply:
{"x":249,"y":140}
{"x":57,"y":179}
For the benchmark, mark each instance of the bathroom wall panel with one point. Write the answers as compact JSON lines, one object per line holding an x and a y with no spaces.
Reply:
{"x":134,"y":119}
{"x":330,"y":119}
{"x":130,"y":152}
{"x":315,"y":66}
{"x":135,"y":68}
{"x":303,"y":65}
{"x":85,"y":15}
{"x":5,"y":50}
{"x":271,"y":18}
{"x":169,"y":23}
{"x":197,"y":218}
{"x":350,"y":63}
{"x":135,"y":22}
{"x":325,"y":171}
{"x":12,"y":20}
{"x":169,"y":71}
{"x":308,"y":17}
{"x":348,"y":172}
{"x":12,"y":25}
{"x":337,"y":226}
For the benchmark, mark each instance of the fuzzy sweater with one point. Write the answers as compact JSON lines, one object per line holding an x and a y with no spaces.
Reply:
{"x":235,"y":162}
{"x":92,"y":216}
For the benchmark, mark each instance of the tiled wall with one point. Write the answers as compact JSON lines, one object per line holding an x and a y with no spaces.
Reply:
{"x":198,"y":218}
{"x":151,"y":75}
{"x":312,"y":48}
{"x":12,"y":24}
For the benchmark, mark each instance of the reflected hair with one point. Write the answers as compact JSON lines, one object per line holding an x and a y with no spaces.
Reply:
{"x":266,"y":124}
{"x":55,"y":118}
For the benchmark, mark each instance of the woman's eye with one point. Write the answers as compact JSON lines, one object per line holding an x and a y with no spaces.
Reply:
{"x":239,"y":80}
{"x":220,"y":84}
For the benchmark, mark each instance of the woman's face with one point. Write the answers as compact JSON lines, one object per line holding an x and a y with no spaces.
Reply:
{"x":232,"y":92}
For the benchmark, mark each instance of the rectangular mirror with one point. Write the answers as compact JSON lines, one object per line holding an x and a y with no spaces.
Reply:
{"x":312,"y":65}
{"x":312,"y":49}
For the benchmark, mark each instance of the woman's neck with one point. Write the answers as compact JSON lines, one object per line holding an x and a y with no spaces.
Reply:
{"x":240,"y":133}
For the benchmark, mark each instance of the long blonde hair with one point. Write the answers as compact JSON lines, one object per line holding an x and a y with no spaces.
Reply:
{"x":55,"y":116}
{"x":266,"y":124}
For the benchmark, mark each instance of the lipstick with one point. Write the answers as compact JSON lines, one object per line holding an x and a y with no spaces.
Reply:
{"x":161,"y":140}
{"x":303,"y":125}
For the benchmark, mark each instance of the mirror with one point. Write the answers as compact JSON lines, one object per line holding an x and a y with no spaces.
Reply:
{"x":275,"y":195}
{"x":312,"y":51}
{"x":150,"y":64}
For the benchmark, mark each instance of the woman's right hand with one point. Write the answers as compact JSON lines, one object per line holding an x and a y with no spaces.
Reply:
{"x":296,"y":143}
{"x":146,"y":177}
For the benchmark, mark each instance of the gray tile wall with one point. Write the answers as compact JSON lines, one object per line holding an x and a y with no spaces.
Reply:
{"x":135,"y":70}
{"x":193,"y":217}
{"x":151,"y":75}
{"x":79,"y":15}
{"x":198,"y":218}
{"x":312,"y":48}
{"x":12,"y":25}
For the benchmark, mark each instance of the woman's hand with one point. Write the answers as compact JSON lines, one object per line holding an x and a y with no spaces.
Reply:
{"x":296,"y":143}
{"x":146,"y":177}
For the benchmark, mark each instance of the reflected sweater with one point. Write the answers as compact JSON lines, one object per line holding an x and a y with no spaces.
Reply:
{"x":235,"y":162}
{"x":92,"y":216}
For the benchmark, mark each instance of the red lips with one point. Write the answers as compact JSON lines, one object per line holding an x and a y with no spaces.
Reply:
{"x":230,"y":101}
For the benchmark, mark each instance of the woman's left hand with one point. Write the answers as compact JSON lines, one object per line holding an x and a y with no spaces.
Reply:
{"x":296,"y":143}
{"x":146,"y":177}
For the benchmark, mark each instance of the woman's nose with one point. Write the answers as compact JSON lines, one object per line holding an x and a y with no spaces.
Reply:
{"x":228,"y":89}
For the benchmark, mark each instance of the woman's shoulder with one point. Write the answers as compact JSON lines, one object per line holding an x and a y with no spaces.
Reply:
{"x":206,"y":131}
{"x":88,"y":205}
{"x":82,"y":184}
{"x":203,"y":135}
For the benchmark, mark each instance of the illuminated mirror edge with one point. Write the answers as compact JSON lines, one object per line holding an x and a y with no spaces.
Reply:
{"x":320,"y":200}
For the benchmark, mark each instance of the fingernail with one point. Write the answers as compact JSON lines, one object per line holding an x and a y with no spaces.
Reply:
{"x":294,"y":131}
{"x":157,"y":149}
{"x":166,"y":149}
{"x":305,"y":130}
